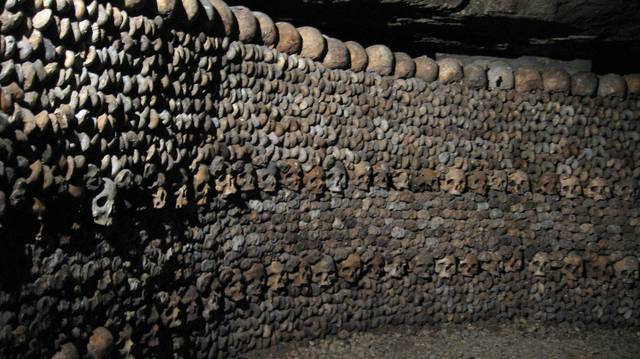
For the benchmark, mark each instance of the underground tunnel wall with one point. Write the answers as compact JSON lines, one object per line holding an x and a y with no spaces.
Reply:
{"x":168,"y":190}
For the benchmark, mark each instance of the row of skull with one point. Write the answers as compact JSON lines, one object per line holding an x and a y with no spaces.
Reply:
{"x":325,"y":271}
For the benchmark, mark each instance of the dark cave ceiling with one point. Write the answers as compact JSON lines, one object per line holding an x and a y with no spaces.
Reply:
{"x":607,"y":32}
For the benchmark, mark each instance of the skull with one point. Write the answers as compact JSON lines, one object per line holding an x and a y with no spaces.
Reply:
{"x":360,"y":176}
{"x":337,"y":177}
{"x":201,"y":185}
{"x":572,"y":267}
{"x":395,"y":268}
{"x":422,"y":265}
{"x":490,"y":262}
{"x":276,"y":279}
{"x":477,"y":182}
{"x":514,"y":263}
{"x":246,"y":180}
{"x":400,"y":180}
{"x":497,"y":180}
{"x":324,"y":271}
{"x":425,"y":180}
{"x":290,"y":174}
{"x":381,"y":175}
{"x":446,"y":267}
{"x":468,"y":266}
{"x":625,"y":189}
{"x":267,"y":178}
{"x":627,"y":269}
{"x":599,"y":267}
{"x":540,"y":264}
{"x":351,"y":268}
{"x":598,"y":189}
{"x":102,"y":205}
{"x":254,"y":277}
{"x":570,"y":187}
{"x":226,"y":185}
{"x":454,"y":182}
{"x":314,"y":180}
{"x":547,"y":183}
{"x":518,"y":182}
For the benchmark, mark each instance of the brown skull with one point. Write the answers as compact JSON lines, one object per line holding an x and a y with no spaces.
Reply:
{"x":360,"y":176}
{"x":599,"y":267}
{"x":477,"y":182}
{"x":324,"y":272}
{"x":514,"y":263}
{"x":276,"y":277}
{"x":381,"y":175}
{"x":518,"y":182}
{"x":570,"y":187}
{"x":400,"y":180}
{"x":351,"y":268}
{"x":314,"y":180}
{"x":626,"y":270}
{"x":290,"y":174}
{"x":446,"y":267}
{"x":598,"y":189}
{"x":572,"y":266}
{"x":469,"y":265}
{"x":422,"y":265}
{"x":454,"y":182}
{"x":497,"y":180}
{"x":547,"y":183}
{"x":425,"y":180}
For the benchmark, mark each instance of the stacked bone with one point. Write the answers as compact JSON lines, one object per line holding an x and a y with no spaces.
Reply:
{"x":177,"y":190}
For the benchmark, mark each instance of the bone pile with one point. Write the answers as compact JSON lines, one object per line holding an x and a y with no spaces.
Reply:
{"x":194,"y":180}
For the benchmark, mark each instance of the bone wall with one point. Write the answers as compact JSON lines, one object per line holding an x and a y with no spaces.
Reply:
{"x":168,"y":190}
